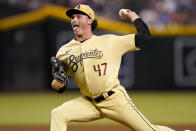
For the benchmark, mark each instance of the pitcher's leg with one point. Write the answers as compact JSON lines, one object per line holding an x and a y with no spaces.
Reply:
{"x":119,"y":107}
{"x":163,"y":128}
{"x":135,"y":120}
{"x":77,"y":110}
{"x":58,"y":121}
{"x":132,"y":118}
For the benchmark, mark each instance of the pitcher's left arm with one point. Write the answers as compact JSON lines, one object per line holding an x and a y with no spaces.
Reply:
{"x":60,"y":77}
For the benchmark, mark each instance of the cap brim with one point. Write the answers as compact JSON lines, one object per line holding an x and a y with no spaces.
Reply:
{"x":70,"y":12}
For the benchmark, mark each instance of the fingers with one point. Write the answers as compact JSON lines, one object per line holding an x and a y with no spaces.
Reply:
{"x":128,"y":10}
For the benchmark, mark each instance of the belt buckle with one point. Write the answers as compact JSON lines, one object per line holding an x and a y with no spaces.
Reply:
{"x":105,"y":95}
{"x":101,"y":97}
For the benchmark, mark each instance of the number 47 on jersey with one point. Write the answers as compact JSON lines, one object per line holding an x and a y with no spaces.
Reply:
{"x":100,"y":68}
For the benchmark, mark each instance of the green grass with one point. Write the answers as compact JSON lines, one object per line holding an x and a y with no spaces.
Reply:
{"x":167,"y":107}
{"x":34,"y":108}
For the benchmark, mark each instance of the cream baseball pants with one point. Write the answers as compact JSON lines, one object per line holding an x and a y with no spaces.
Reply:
{"x":117,"y":107}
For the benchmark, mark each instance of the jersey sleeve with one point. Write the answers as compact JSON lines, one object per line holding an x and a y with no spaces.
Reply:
{"x":126,"y":43}
{"x":63,"y":56}
{"x":61,"y":53}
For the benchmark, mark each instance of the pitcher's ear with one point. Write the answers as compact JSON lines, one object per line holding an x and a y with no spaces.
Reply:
{"x":90,"y":21}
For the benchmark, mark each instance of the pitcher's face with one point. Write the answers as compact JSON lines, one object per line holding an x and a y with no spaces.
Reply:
{"x":80,"y":23}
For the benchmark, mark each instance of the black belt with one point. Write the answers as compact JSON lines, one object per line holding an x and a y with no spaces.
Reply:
{"x":100,"y":98}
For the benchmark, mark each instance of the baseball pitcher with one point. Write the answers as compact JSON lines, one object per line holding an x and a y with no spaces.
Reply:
{"x":94,"y":61}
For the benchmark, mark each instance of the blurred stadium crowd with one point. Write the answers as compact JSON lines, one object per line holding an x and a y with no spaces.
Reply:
{"x":154,"y":12}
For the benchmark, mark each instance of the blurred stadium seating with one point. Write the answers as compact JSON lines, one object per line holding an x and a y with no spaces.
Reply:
{"x":31,"y":31}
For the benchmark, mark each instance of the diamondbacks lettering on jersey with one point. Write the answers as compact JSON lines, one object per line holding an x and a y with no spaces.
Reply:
{"x":74,"y":60}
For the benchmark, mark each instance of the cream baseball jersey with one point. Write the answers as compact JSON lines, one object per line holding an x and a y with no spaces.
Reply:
{"x":94,"y":63}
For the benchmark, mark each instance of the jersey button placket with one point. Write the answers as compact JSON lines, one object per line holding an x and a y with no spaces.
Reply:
{"x":83,"y":64}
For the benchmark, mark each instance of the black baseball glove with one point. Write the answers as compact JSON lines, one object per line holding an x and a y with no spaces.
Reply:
{"x":59,"y":73}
